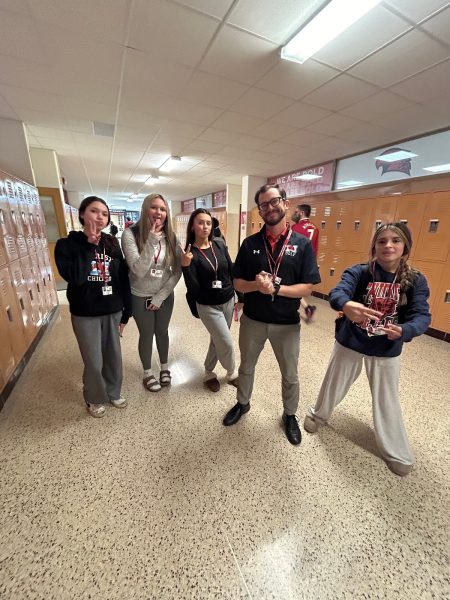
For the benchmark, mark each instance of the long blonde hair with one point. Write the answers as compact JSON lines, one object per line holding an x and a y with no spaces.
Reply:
{"x":141,"y":229}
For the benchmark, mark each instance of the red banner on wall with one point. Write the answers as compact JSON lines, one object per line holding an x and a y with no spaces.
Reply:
{"x":294,"y":186}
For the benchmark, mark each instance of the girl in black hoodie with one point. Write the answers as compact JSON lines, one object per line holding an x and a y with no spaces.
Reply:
{"x":100,"y":302}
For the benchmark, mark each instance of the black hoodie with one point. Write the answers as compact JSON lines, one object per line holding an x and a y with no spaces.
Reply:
{"x":87,"y":268}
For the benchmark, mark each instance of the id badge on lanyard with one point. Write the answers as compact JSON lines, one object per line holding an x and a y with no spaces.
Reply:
{"x":156,"y":272}
{"x":107,"y":290}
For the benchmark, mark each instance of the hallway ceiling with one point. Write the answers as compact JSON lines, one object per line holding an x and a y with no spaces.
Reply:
{"x":202,"y":79}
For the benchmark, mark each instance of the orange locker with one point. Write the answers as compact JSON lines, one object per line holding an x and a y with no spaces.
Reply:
{"x":361,"y":226}
{"x":383,"y":211}
{"x":30,"y":284}
{"x":410,"y":209}
{"x":7,"y":226}
{"x":353,"y":258}
{"x":434,"y":238}
{"x":23,"y":301}
{"x":433,"y":273}
{"x":12,"y":317}
{"x":343,"y":226}
{"x":441,"y":318}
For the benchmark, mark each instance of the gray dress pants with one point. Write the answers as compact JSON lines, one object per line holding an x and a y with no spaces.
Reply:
{"x":285,"y":342}
{"x":99,"y":343}
{"x":217,"y":320}
{"x":383,"y":374}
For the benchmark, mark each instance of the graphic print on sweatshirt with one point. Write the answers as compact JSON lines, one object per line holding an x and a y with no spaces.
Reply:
{"x":100,"y":268}
{"x":382,"y":297}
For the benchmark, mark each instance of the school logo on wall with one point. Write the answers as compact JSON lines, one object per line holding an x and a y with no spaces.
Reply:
{"x":403,"y":165}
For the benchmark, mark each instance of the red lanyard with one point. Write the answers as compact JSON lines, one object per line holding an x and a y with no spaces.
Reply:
{"x":215,"y":269}
{"x":156,"y":256}
{"x":274,"y":265}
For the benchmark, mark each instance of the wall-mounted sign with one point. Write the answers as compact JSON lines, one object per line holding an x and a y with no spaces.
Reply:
{"x":219,"y":199}
{"x":305,"y":182}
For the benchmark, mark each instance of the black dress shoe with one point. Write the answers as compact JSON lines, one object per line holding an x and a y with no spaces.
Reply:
{"x":292,"y":429}
{"x":235,"y":413}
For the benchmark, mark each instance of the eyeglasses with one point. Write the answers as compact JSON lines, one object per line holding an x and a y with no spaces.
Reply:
{"x":264,"y":206}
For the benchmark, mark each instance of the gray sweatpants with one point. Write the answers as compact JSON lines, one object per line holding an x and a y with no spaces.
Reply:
{"x":152,"y":323}
{"x":383,"y":373}
{"x":285,"y":342}
{"x":217,"y":320}
{"x":99,"y":343}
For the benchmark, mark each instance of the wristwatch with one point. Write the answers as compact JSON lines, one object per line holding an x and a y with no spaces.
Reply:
{"x":276,"y":289}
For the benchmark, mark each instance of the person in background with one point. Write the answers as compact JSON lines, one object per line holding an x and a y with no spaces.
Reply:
{"x":274,"y":268}
{"x":153,"y":259}
{"x":128,"y":222}
{"x":305,"y":227}
{"x":113,"y":230}
{"x":207,"y":271}
{"x":216,"y":229}
{"x":98,"y":292}
{"x":384,"y":303}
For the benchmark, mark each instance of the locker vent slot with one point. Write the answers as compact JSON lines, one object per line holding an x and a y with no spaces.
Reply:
{"x":327,"y":211}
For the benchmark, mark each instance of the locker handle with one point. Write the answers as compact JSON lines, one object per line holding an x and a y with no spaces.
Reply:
{"x":434,"y":224}
{"x":322,"y":224}
{"x":22,"y":305}
{"x":9,"y":313}
{"x":331,"y":272}
{"x":357,"y":225}
{"x":447,"y":297}
{"x":338,"y":224}
{"x":31,"y":295}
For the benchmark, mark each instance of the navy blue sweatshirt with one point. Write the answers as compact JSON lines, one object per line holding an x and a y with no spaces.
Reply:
{"x":379,"y":293}
{"x":87,"y":267}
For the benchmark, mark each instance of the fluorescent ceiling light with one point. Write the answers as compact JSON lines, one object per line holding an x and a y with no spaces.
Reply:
{"x":438,"y":168}
{"x":133,"y":196}
{"x":397,"y":155}
{"x":350,"y":183}
{"x":335,"y":18}
{"x":169,"y":163}
{"x":308,"y":176}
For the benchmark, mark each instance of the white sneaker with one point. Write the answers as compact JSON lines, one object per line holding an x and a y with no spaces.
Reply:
{"x":96,"y":410}
{"x":120,"y":402}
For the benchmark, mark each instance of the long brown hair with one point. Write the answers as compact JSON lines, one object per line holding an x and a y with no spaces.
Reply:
{"x":190,"y":235}
{"x":142,"y":229}
{"x":407,"y":275}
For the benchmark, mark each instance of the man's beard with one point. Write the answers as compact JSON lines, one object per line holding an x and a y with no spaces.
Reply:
{"x":295,"y":217}
{"x":275,"y":217}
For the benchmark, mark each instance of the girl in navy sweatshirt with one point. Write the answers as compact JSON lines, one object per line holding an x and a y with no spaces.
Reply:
{"x":383,"y":304}
{"x":100,"y":302}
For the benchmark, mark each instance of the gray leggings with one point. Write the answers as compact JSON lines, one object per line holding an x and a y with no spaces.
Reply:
{"x":152,"y":323}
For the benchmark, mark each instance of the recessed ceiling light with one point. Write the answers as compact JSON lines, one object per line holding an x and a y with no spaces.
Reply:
{"x":350,"y":183}
{"x":308,"y":176}
{"x":438,"y":168}
{"x":331,"y":21}
{"x":397,"y":155}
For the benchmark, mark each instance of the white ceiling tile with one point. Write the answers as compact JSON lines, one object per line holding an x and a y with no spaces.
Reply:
{"x":271,"y":130}
{"x":439,"y":26}
{"x":26,"y":74}
{"x":250,"y":142}
{"x":204,"y":146}
{"x":218,"y":135}
{"x":232,"y":121}
{"x":377,"y":105}
{"x":408,"y":55}
{"x":6,"y":111}
{"x":50,"y":119}
{"x":33,"y":100}
{"x":340,"y":92}
{"x":432,"y":83}
{"x":367,"y":131}
{"x":272,"y":20}
{"x":213,"y":90}
{"x":20,"y":38}
{"x":295,"y":80}
{"x":215,"y":8}
{"x":375,"y":29}
{"x":260,"y":103}
{"x":416,"y":10}
{"x":302,"y":137}
{"x":415,"y":120}
{"x":300,"y":115}
{"x":333,"y":124}
{"x":145,"y":74}
{"x":183,"y":33}
{"x":86,"y":16}
{"x":19,"y":6}
{"x":226,"y":56}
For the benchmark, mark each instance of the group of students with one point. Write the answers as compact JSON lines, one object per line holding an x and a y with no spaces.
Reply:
{"x":381,"y":304}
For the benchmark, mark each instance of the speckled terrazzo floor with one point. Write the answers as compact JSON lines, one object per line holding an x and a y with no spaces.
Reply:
{"x":160,"y":501}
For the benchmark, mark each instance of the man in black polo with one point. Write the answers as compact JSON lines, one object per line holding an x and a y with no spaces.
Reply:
{"x":274,"y":268}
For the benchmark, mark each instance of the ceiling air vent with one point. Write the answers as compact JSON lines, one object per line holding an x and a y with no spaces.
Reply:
{"x":105,"y":129}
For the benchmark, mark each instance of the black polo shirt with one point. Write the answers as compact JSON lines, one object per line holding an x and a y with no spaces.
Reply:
{"x":297,"y":266}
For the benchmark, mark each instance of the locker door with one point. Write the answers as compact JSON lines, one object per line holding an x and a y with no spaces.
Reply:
{"x":441,"y":318}
{"x":343,"y":227}
{"x":383,"y":211}
{"x":410,"y":209}
{"x":11,"y":314}
{"x":7,"y":226}
{"x":433,"y":273}
{"x":32,"y":290}
{"x":23,"y":301}
{"x":361,"y":226}
{"x":434,"y":238}
{"x":7,"y":361}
